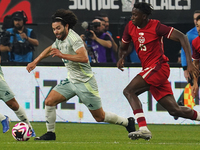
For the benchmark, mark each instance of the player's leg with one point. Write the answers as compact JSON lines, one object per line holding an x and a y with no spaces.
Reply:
{"x":51,"y":101}
{"x":20,"y":112}
{"x":101,"y":116}
{"x":60,"y":93}
{"x":169,"y":103}
{"x":89,"y":95}
{"x":131,"y":92}
{"x":7,"y":96}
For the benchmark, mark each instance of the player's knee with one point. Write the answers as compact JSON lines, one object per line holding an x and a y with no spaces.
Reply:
{"x":13,"y":104}
{"x":49,"y":102}
{"x":174,"y":112}
{"x":126,"y":92}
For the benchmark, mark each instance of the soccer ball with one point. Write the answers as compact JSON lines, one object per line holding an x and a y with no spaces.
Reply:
{"x":21,"y":131}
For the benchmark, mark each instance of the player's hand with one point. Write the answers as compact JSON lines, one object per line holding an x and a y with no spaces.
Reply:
{"x":30,"y":66}
{"x":193,"y":70}
{"x":186,"y":75}
{"x":55,"y":52}
{"x":194,"y":90}
{"x":120,"y":64}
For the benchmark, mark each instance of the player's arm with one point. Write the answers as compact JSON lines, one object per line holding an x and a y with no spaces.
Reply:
{"x":34,"y":63}
{"x":195,"y":57}
{"x":182,"y":38}
{"x":123,"y":49}
{"x":80,"y":56}
{"x":196,"y":62}
{"x":43,"y":55}
{"x":123,"y":52}
{"x":195,"y":86}
{"x":184,"y":65}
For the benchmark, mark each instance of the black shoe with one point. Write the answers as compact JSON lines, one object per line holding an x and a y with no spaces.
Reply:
{"x":47,"y":136}
{"x":131,"y":125}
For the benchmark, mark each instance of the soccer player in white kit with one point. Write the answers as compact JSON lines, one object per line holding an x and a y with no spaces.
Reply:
{"x":80,"y":81}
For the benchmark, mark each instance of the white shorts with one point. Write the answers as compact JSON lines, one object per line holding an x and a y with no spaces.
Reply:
{"x":6,"y":93}
{"x":87,"y":92}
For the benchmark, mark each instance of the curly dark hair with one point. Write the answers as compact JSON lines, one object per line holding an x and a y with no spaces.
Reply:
{"x":65,"y":17}
{"x":146,"y":8}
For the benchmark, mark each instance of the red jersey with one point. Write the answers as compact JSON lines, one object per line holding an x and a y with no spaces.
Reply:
{"x":196,"y":48}
{"x":148,"y":41}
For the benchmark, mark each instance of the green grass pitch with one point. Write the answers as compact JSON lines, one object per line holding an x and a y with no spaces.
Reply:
{"x":81,"y":136}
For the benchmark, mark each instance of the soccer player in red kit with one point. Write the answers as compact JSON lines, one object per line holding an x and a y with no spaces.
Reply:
{"x":147,"y":36}
{"x":196,"y":54}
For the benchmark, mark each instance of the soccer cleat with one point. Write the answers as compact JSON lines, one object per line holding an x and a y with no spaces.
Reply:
{"x":131,"y":125}
{"x":33,"y":133}
{"x":47,"y":136}
{"x":144,"y":134}
{"x":5,"y":124}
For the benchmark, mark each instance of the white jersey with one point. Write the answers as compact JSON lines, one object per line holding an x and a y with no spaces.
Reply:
{"x":77,"y":72}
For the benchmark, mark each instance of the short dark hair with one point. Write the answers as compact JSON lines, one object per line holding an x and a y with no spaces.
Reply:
{"x":198,"y":18}
{"x":146,"y":8}
{"x":65,"y":17}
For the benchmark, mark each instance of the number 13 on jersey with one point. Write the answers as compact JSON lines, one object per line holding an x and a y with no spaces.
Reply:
{"x":142,"y":47}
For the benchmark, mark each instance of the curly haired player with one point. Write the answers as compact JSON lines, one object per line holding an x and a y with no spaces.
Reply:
{"x":81,"y":81}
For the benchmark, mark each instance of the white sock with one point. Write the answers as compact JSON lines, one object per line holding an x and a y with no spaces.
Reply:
{"x":144,"y":128}
{"x":115,"y":119}
{"x":2,"y":117}
{"x":50,"y":115}
{"x":22,"y":115}
{"x":198,"y":116}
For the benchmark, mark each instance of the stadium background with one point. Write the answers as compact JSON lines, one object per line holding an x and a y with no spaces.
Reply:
{"x":176,"y":13}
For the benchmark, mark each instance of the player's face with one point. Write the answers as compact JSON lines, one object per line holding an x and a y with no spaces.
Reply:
{"x":198,"y":27}
{"x":59,"y":30}
{"x":137,"y":17}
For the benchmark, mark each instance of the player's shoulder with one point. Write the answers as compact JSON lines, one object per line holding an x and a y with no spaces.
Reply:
{"x":72,"y":35}
{"x":154,"y":21}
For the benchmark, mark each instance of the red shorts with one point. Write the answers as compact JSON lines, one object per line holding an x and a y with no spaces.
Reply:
{"x":157,"y":78}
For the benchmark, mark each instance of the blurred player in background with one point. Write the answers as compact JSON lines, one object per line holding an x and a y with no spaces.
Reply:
{"x":196,"y":55}
{"x":81,"y":81}
{"x":147,"y":36}
{"x":191,"y":34}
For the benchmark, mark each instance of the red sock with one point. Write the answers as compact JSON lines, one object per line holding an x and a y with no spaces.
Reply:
{"x":194,"y":117}
{"x":139,"y":116}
